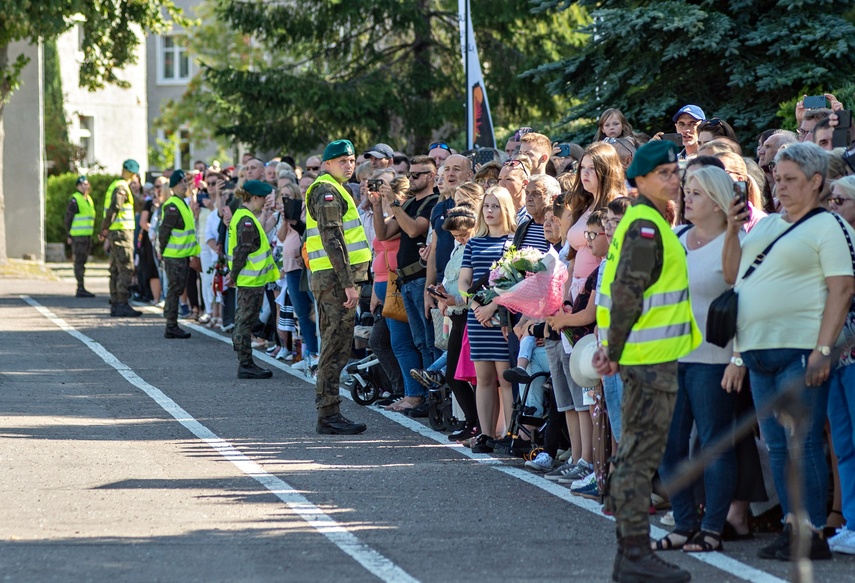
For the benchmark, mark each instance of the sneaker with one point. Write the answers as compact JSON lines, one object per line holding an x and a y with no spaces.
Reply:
{"x":284,"y":354}
{"x":584,"y":482}
{"x":581,"y":470}
{"x":479,"y":445}
{"x":259,"y":343}
{"x":843,"y":541}
{"x":782,"y":541}
{"x":668,"y":519}
{"x":427,"y":378}
{"x":227,"y":327}
{"x":183,"y":311}
{"x":819,"y":550}
{"x":590,"y":491}
{"x":302,"y":365}
{"x":542,"y":463}
{"x":467,"y":432}
{"x":559,"y":471}
{"x":205,"y":318}
{"x":273,"y":350}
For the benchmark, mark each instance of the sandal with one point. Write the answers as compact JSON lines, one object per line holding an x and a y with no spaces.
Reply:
{"x":404,"y":404}
{"x":705,"y":541}
{"x":666,"y":543}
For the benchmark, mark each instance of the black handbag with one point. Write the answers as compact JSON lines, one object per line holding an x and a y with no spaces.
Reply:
{"x":721,"y":317}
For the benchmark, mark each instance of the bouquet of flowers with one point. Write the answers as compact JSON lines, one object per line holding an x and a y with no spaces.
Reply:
{"x":528,"y":282}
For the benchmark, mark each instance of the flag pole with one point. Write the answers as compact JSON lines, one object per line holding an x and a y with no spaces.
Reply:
{"x":468,"y":87}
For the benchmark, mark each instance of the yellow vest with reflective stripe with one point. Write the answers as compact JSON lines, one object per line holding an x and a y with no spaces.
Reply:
{"x":83,"y":224}
{"x":182,"y":243}
{"x":124,"y":219}
{"x":666,"y":329}
{"x":358,"y":248}
{"x":260,"y":268}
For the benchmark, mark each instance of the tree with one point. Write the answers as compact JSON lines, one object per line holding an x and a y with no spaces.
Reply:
{"x":737,"y":59}
{"x":290,"y":76}
{"x":62,"y":156}
{"x":111,"y":35}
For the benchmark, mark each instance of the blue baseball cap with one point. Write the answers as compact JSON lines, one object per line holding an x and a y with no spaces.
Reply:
{"x":693,"y":110}
{"x":81,"y":179}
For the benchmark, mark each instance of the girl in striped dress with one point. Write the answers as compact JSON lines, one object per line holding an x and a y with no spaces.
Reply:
{"x":493,"y":235}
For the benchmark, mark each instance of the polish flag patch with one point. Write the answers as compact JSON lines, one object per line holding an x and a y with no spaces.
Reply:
{"x":328,"y":197}
{"x":648,"y":233}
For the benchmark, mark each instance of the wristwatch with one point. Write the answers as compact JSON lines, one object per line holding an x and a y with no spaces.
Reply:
{"x":823,"y":350}
{"x":396,"y":203}
{"x":735,"y":360}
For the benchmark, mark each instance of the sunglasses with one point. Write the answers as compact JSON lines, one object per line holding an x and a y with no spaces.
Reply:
{"x":436,"y":145}
{"x":516,"y":164}
{"x":838,"y":200}
{"x":414,"y":175}
{"x":713,"y":122}
{"x":313,"y":168}
{"x":521,"y":132}
{"x":591,"y":235}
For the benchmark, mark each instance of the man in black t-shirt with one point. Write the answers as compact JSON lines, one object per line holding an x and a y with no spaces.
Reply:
{"x":411,"y":219}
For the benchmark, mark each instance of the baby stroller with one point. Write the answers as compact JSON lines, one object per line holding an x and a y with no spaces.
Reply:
{"x":521,"y":441}
{"x":441,"y":412}
{"x":368,"y":381}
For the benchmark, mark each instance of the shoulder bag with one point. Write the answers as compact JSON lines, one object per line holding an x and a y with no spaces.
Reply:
{"x":721,"y":317}
{"x":393,"y":303}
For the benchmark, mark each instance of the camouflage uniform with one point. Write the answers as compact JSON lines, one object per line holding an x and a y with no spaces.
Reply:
{"x":249,"y":299}
{"x":121,"y":251}
{"x":80,"y":246}
{"x":177,"y":268}
{"x":335,"y":321}
{"x":650,"y":391}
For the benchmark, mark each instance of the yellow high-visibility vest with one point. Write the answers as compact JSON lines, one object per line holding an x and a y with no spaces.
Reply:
{"x":666,"y":329}
{"x":182,"y":243}
{"x":124,"y":219}
{"x":83,"y":224}
{"x":358,"y":249}
{"x":260,"y":268}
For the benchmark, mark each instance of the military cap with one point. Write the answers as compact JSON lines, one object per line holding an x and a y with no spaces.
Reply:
{"x":176,"y":177}
{"x":131,"y":165}
{"x":338,"y":149}
{"x":257,"y":188}
{"x":649,"y":156}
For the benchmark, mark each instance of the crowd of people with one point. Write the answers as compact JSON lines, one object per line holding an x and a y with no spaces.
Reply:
{"x":306,"y":262}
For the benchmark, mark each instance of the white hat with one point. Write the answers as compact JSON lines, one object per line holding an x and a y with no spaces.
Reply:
{"x":582,"y":362}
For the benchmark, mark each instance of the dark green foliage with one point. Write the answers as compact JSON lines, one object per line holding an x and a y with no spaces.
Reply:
{"x":367,"y":70}
{"x":737,"y":59}
{"x":60,"y":153}
{"x":59,"y":190}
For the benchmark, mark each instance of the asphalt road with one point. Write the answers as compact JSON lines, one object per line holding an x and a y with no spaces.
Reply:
{"x":127,"y":457}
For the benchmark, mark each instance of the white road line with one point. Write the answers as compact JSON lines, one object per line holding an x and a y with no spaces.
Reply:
{"x":718,"y":560}
{"x":371,"y":560}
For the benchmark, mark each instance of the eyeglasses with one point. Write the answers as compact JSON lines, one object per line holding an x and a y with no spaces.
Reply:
{"x":591,"y":235}
{"x":436,"y":145}
{"x":414,"y":175}
{"x":771,"y":165}
{"x":802,"y":132}
{"x":313,"y":168}
{"x":516,"y":164}
{"x":667,"y":175}
{"x":838,"y":200}
{"x":157,"y":187}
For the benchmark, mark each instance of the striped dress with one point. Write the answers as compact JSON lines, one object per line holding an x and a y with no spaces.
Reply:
{"x":485,"y":343}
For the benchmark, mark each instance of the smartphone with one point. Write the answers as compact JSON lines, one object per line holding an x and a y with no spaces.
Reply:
{"x":815,"y":102}
{"x":840,"y":138}
{"x":564,"y":151}
{"x":200,"y":197}
{"x":292,"y":208}
{"x":483,"y":156}
{"x":676,"y":138}
{"x":374,"y":184}
{"x":435,"y":292}
{"x":844,"y":118}
{"x":740,"y":189}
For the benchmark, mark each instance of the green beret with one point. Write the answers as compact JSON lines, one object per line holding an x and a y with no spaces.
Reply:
{"x":131,"y":166}
{"x":651,"y":155}
{"x":257,"y":187}
{"x":337,"y":149}
{"x":176,"y":177}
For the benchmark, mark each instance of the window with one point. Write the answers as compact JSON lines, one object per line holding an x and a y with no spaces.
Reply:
{"x":86,"y":138}
{"x":173,"y":63}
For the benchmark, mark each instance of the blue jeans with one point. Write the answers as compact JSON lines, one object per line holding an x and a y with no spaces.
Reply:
{"x":613,"y":391}
{"x":772,"y":371}
{"x":539,"y":362}
{"x":302,"y":302}
{"x":841,"y":414}
{"x":413,"y":293}
{"x":439,"y":364}
{"x":701,"y":401}
{"x":405,"y":350}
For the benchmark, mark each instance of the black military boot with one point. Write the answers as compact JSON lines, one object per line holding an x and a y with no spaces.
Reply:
{"x":112,"y":309}
{"x":83,"y":293}
{"x":639,"y":564}
{"x":338,"y":424}
{"x":250,"y":370}
{"x":123,"y":310}
{"x":176,"y":332}
{"x":618,"y":558}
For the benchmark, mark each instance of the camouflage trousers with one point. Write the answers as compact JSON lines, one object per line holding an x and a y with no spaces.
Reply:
{"x":121,"y":265}
{"x":176,"y":274}
{"x":336,"y":324}
{"x":649,"y":396}
{"x":249,"y":300}
{"x":80,"y":247}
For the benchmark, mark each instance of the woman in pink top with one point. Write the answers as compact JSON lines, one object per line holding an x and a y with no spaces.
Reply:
{"x":599,"y":180}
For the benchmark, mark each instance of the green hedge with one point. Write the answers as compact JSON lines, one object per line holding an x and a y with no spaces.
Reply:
{"x":59,"y":190}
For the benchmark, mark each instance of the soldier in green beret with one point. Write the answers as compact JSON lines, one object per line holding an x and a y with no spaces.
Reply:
{"x":118,"y":228}
{"x":339,"y":254}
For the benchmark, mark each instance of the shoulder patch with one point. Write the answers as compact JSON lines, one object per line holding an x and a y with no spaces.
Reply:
{"x":648,"y":232}
{"x":329,"y":197}
{"x":247,"y":223}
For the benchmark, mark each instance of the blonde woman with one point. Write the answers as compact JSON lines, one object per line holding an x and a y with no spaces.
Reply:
{"x":489,"y":348}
